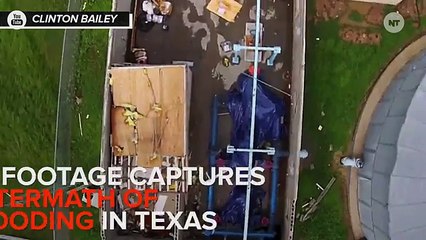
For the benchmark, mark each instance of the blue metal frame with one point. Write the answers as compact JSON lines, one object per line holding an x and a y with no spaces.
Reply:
{"x":261,"y":235}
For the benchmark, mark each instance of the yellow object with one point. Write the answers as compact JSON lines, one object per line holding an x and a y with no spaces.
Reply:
{"x":226,"y":9}
{"x":156,"y":107}
{"x":128,"y":106}
{"x":118,"y":150}
{"x":130,"y":122}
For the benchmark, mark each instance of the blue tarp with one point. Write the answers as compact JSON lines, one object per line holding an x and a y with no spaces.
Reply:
{"x":270,"y":111}
{"x":234,"y":210}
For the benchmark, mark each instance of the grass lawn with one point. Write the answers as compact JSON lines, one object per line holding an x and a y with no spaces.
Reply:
{"x":29,"y":79}
{"x":89,"y":82}
{"x":339,"y":75}
{"x":356,"y":16}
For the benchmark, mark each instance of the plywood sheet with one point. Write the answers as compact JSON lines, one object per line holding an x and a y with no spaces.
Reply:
{"x":226,"y":9}
{"x":122,"y":134}
{"x":162,"y":132}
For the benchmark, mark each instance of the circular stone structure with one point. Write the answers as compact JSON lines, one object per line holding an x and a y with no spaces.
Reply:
{"x":392,"y":183}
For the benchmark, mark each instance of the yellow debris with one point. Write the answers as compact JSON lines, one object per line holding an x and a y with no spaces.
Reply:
{"x":128,"y":107}
{"x":118,"y":150}
{"x":130,"y":122}
{"x":154,"y":157}
{"x":156,"y":107}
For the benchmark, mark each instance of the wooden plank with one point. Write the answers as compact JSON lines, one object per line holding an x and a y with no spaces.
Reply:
{"x":122,"y":134}
{"x":163,"y":132}
{"x":230,"y":7}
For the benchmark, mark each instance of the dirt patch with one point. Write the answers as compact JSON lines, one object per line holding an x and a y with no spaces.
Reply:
{"x":360,"y":36}
{"x":330,"y":9}
{"x":343,"y":177}
{"x":375,"y":15}
{"x":361,"y":7}
{"x":408,"y":9}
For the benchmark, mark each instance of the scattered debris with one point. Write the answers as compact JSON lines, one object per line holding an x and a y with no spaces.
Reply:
{"x":140,"y":55}
{"x":310,"y":207}
{"x":360,"y":36}
{"x":132,"y":115}
{"x":320,"y":128}
{"x":226,"y":46}
{"x":270,"y":14}
{"x":226,"y":61}
{"x":80,"y":124}
{"x":330,"y":9}
{"x":252,"y":13}
{"x":287,"y":75}
{"x":408,"y":9}
{"x":278,"y":66}
{"x":78,"y":100}
{"x":187,"y":63}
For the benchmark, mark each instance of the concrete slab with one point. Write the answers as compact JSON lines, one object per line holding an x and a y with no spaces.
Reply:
{"x":381,"y":112}
{"x":407,"y":217}
{"x":401,"y":102}
{"x":368,"y":233}
{"x":412,"y":135}
{"x":380,"y":192}
{"x":393,"y":89}
{"x":385,"y":159}
{"x":364,"y":190}
{"x":412,"y":165}
{"x":380,"y":235}
{"x":419,"y":113}
{"x":412,"y":82}
{"x":380,"y":219}
{"x":373,"y":137}
{"x":417,"y":233}
{"x":366,"y":215}
{"x":391,"y":130}
{"x":409,"y":191}
{"x":367,"y":170}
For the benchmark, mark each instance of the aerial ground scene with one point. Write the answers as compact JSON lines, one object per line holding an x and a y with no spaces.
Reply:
{"x":54,"y":101}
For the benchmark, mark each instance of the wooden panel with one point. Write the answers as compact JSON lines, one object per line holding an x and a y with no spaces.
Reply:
{"x":162,"y":132}
{"x":122,"y":134}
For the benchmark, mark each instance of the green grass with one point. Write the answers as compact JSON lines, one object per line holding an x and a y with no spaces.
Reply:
{"x":29,"y":79}
{"x":356,"y":16}
{"x":89,"y":82}
{"x":28,"y":98}
{"x":338,"y":78}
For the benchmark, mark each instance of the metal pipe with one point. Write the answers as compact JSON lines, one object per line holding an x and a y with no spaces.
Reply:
{"x":213,"y":146}
{"x":242,"y":47}
{"x":274,"y":191}
{"x":253,"y":120}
